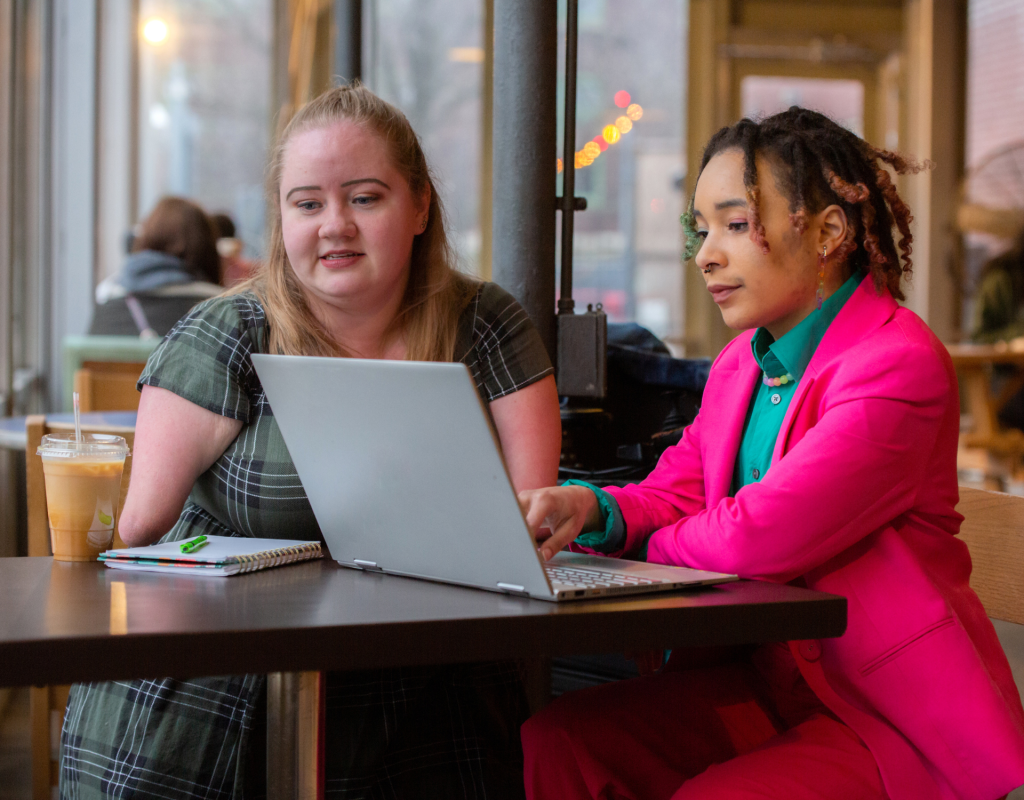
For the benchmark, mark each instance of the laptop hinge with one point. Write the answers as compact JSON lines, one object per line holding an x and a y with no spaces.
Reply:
{"x":513,"y":588}
{"x":367,"y":565}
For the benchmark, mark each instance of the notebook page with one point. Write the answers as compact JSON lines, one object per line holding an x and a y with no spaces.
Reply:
{"x":218,"y":550}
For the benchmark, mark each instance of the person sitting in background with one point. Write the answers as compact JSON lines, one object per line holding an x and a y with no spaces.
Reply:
{"x":999,"y":317}
{"x":999,"y":300}
{"x":233,"y":267}
{"x":359,"y":265}
{"x":173,"y":264}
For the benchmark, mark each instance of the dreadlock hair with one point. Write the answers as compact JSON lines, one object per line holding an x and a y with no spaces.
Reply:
{"x":817,"y":163}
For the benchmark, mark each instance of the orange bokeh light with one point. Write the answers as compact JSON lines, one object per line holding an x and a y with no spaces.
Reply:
{"x":634,"y":112}
{"x":611,"y":134}
{"x":624,"y":124}
{"x":591,"y":150}
{"x":558,"y":165}
{"x":622,"y":98}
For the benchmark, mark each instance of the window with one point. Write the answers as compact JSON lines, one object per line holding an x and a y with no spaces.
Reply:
{"x":204,"y":106}
{"x":842,"y":100}
{"x":992,"y":200}
{"x":631,"y":76}
{"x":426,"y":57}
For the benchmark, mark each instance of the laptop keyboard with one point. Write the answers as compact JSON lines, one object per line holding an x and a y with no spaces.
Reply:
{"x":594,"y":579}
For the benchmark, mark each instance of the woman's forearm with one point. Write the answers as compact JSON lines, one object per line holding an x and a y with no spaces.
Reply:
{"x":529,"y":426}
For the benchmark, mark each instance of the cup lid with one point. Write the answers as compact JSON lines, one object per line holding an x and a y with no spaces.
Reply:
{"x":93,"y":445}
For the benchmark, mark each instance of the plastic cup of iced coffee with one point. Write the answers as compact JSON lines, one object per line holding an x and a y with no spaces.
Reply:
{"x":83,"y":486}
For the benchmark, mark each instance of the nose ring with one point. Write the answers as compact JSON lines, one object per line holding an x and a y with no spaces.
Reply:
{"x":706,"y":270}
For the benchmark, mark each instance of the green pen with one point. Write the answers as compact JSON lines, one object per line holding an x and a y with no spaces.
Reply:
{"x":195,"y":544}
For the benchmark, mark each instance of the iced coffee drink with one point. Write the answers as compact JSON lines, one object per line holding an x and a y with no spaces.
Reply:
{"x":83,"y":486}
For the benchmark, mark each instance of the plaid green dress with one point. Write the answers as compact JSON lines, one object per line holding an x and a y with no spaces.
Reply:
{"x":397,"y":733}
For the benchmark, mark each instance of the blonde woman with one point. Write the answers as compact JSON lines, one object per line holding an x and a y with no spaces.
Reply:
{"x":359,"y":266}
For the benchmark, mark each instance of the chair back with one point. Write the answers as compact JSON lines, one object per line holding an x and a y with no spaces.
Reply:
{"x":38,"y":526}
{"x":993,"y":529}
{"x":81,"y":351}
{"x":108,"y":385}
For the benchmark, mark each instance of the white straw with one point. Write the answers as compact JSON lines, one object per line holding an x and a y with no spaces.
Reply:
{"x":78,"y":422}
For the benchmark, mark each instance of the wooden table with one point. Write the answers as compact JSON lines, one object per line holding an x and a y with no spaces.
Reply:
{"x":974,"y":362}
{"x":83,"y":622}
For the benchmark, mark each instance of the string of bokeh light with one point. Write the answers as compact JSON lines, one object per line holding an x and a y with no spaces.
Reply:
{"x":610,"y":134}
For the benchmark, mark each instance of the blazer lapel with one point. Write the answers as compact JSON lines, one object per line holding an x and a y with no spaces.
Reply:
{"x":802,"y":388}
{"x":723,"y":416}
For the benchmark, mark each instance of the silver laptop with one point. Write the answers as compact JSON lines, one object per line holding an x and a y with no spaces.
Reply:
{"x":405,"y":476}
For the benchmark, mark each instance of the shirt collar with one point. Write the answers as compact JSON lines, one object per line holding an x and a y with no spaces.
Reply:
{"x":792,"y":353}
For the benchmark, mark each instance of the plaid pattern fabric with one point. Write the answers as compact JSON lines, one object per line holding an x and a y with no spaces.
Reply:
{"x":412,"y":733}
{"x":499,"y":344}
{"x":158,"y":739}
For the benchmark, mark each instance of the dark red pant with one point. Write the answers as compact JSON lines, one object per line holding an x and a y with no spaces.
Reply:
{"x":732,"y":731}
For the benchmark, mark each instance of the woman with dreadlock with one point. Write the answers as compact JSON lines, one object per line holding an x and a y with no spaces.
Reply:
{"x":824,"y":455}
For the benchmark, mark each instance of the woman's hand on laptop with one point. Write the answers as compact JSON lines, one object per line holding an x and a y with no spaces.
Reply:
{"x":557,"y":515}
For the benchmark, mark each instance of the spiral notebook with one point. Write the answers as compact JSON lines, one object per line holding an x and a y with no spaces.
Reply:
{"x":223,"y":555}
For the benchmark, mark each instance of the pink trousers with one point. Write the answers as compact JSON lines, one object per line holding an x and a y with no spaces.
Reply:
{"x":733,"y":731}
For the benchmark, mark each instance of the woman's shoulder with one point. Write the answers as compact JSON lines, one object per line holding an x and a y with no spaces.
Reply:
{"x":498,"y":342}
{"x":225,"y":328}
{"x":231,"y":314}
{"x":493,"y":296}
{"x":492,"y":311}
{"x":902,"y":359}
{"x":206,"y":358}
{"x":919,"y":341}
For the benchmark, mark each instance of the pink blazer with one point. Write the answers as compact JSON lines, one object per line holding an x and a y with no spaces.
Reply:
{"x":859,"y":502}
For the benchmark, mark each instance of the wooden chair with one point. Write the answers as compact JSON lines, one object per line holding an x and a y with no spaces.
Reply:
{"x":108,"y":385}
{"x":86,"y":351}
{"x":47,"y":703}
{"x":993,"y":530}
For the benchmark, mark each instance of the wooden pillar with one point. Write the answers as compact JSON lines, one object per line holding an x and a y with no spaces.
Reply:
{"x":295,"y":735}
{"x":707,"y":110}
{"x":936,"y":74}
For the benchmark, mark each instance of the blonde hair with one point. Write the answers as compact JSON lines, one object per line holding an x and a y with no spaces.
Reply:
{"x":435,"y":294}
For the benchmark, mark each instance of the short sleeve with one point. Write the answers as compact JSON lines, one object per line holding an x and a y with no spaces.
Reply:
{"x":206,"y":357}
{"x":500,"y":345}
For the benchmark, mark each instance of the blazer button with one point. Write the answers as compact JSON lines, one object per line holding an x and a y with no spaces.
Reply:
{"x":776,"y":399}
{"x":810,"y":649}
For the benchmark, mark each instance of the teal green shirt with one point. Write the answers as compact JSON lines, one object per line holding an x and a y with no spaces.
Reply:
{"x":789,"y":355}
